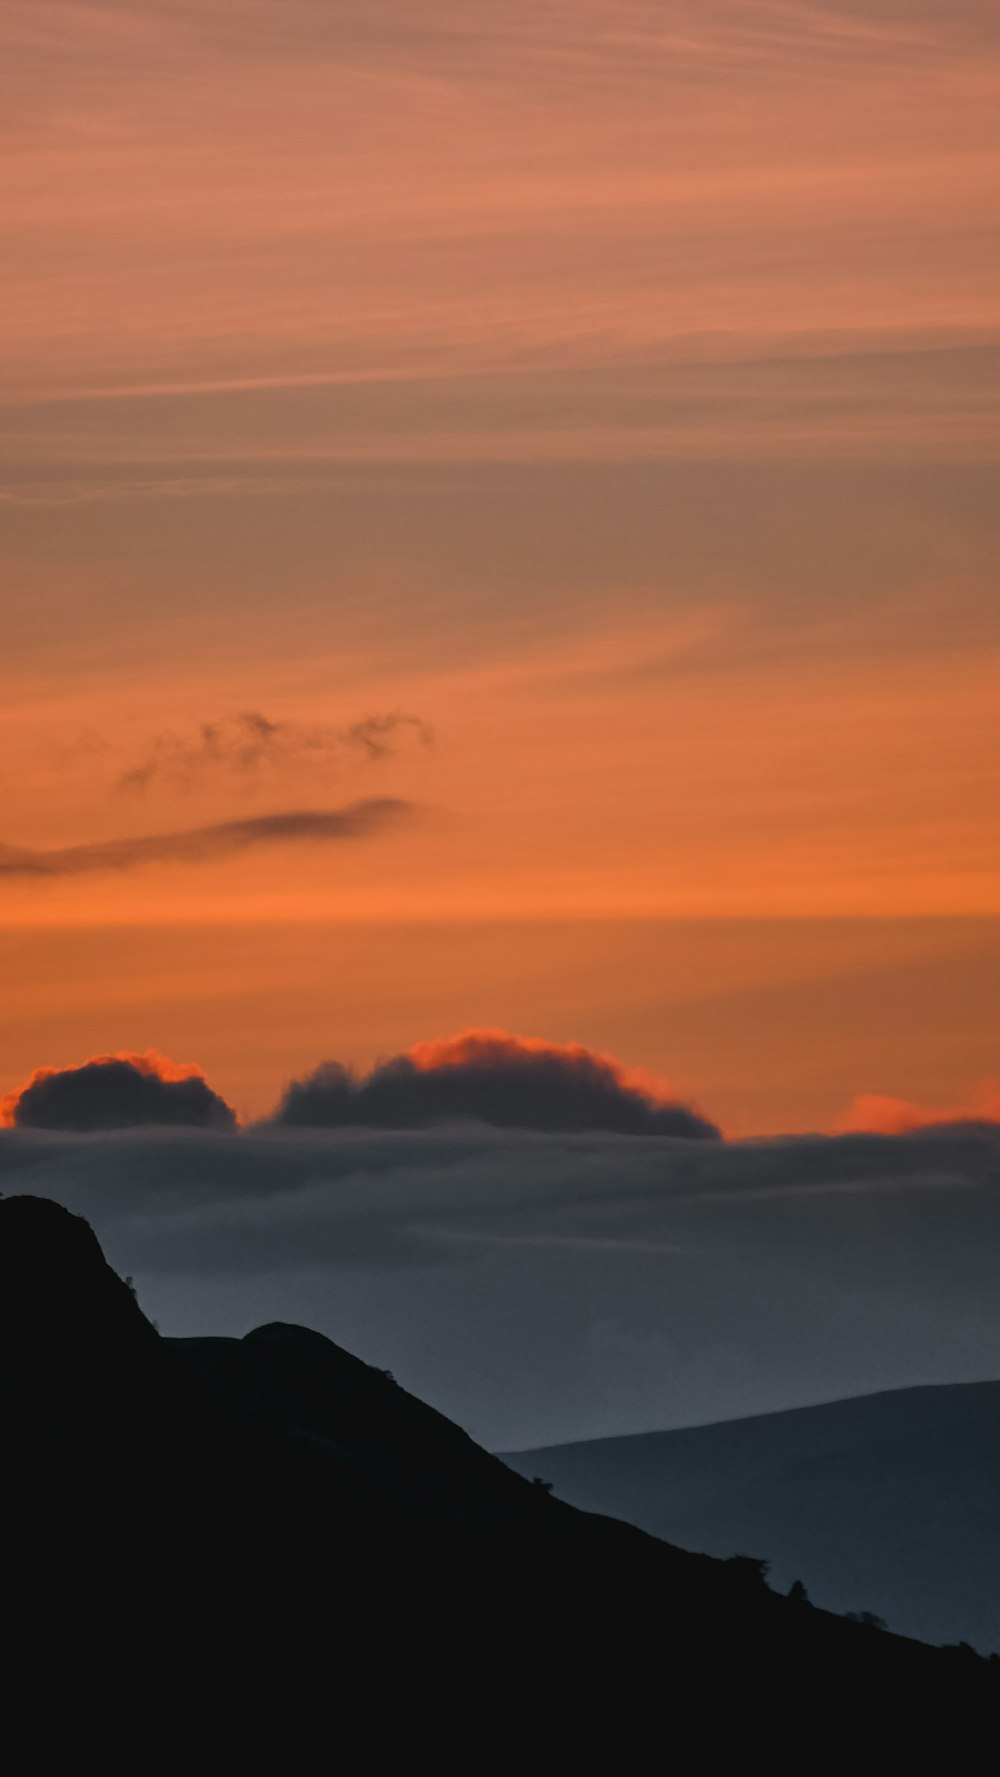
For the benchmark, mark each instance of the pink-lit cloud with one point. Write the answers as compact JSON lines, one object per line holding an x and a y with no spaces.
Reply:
{"x":494,"y":1077}
{"x":121,"y":1091}
{"x":884,"y":1115}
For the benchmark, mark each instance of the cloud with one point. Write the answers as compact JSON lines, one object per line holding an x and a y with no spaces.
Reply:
{"x":548,"y":1286}
{"x":375,"y":736}
{"x":198,"y":845}
{"x":490,"y":1076}
{"x":116,"y":1092}
{"x":249,"y":744}
{"x":896,"y":1116}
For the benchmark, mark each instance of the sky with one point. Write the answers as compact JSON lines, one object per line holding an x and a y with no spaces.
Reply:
{"x":574,"y":424}
{"x":499,"y":516}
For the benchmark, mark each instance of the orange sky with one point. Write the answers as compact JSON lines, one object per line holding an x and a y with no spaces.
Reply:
{"x":612,"y":386}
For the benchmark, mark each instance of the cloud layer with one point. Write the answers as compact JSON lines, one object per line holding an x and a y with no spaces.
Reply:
{"x":540,"y":1287}
{"x":197,"y":845}
{"x":492,"y":1077}
{"x":116,"y":1092}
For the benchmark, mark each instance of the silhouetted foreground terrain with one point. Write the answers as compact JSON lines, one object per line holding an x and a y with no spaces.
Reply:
{"x":889,"y":1503}
{"x":214,"y":1537}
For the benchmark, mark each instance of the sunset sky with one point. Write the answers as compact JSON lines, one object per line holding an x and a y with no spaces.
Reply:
{"x":500,"y":520}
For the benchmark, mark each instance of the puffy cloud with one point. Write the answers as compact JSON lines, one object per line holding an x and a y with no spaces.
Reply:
{"x":116,"y":1092}
{"x":249,"y":743}
{"x":491,"y":1076}
{"x":196,"y":845}
{"x":896,"y":1116}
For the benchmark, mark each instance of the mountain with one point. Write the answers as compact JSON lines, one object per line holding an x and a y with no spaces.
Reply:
{"x":889,"y":1503}
{"x":268,"y":1535}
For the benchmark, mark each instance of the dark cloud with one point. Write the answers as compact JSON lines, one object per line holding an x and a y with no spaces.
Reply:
{"x":116,"y":1092}
{"x":489,"y":1077}
{"x":249,"y":743}
{"x":196,"y":845}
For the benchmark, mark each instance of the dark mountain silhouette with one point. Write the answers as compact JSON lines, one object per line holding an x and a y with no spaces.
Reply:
{"x":889,"y":1503}
{"x":221,"y":1537}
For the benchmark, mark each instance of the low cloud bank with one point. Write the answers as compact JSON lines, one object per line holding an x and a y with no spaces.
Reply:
{"x":493,"y":1077}
{"x":547,"y":1286}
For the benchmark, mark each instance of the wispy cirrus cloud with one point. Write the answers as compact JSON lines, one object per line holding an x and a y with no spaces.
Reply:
{"x":198,"y":845}
{"x":249,"y":744}
{"x":582,"y":216}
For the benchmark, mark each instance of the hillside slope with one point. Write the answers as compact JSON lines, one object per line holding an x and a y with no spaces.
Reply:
{"x":889,"y":1503}
{"x":268,"y":1523}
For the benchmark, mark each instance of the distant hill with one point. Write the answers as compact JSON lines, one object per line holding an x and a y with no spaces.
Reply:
{"x":889,"y":1503}
{"x":227,"y":1532}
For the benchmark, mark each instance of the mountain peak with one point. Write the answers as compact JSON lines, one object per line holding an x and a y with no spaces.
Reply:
{"x":57,"y":1290}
